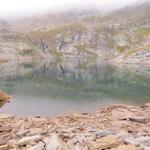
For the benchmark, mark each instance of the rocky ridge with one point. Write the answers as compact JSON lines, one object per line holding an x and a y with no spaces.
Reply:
{"x":122,"y":36}
{"x":115,"y":127}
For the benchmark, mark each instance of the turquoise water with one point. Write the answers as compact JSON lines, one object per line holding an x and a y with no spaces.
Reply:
{"x":57,"y":87}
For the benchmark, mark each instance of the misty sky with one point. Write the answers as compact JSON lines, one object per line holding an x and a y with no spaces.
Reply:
{"x":10,"y":8}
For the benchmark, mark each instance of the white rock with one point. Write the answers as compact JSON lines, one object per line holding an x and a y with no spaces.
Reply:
{"x":131,"y":140}
{"x":146,"y":147}
{"x":29,"y":139}
{"x":137,"y":141}
{"x":81,"y":138}
{"x":143,"y":139}
{"x":53,"y":142}
{"x":39,"y":146}
{"x":102,"y":133}
{"x":22,"y":132}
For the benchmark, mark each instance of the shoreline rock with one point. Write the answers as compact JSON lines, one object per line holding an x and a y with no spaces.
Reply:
{"x":115,"y":127}
{"x":4,"y":97}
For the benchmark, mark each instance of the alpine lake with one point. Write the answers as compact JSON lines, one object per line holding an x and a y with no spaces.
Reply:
{"x":60,"y":86}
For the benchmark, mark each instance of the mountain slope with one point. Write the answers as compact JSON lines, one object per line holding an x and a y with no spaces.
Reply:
{"x":122,"y":35}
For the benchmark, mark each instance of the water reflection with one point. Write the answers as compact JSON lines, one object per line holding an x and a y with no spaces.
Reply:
{"x":61,"y":86}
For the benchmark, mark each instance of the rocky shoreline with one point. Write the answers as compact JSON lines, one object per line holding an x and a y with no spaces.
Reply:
{"x":115,"y":127}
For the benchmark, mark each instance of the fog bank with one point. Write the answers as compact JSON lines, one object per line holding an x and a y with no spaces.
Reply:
{"x":13,"y":8}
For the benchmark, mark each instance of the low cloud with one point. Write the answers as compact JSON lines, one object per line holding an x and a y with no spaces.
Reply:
{"x":11,"y":8}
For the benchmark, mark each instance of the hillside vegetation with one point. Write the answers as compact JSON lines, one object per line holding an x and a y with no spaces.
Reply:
{"x":122,"y":35}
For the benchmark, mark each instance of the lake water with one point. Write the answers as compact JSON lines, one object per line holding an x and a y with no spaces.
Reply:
{"x":57,"y":87}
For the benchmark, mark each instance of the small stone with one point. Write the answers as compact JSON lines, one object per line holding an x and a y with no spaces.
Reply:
{"x":130,"y":140}
{"x":22,"y":132}
{"x":54,"y":142}
{"x":2,"y":141}
{"x":39,"y":146}
{"x":122,"y":134}
{"x":81,"y":138}
{"x":137,"y":141}
{"x":65,"y":135}
{"x":29,"y":139}
{"x":90,"y":129}
{"x":126,"y":147}
{"x":6,"y":128}
{"x":72,"y":135}
{"x":35,"y":131}
{"x":4,"y":147}
{"x":12,"y":143}
{"x":109,"y":142}
{"x":142,"y":139}
{"x":147,"y":104}
{"x":102,"y":133}
{"x":74,"y":140}
{"x":145,"y":147}
{"x":5,"y":116}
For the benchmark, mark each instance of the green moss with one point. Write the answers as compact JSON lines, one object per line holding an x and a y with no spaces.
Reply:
{"x":65,"y":30}
{"x":84,"y":49}
{"x":121,"y":49}
{"x":56,"y":54}
{"x":81,"y":46}
{"x":111,"y":44}
{"x":143,"y":31}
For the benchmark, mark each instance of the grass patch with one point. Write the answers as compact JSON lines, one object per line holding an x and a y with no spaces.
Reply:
{"x":143,"y":30}
{"x":84,"y":49}
{"x":56,"y":54}
{"x":121,"y":49}
{"x":65,"y":30}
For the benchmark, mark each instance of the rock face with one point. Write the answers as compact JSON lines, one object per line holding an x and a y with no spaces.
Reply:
{"x":101,"y":130}
{"x":124,"y":38}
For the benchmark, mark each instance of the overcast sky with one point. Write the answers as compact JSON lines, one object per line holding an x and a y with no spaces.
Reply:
{"x":10,"y":8}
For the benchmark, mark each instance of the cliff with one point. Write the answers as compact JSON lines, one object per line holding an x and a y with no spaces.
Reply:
{"x":123,"y":35}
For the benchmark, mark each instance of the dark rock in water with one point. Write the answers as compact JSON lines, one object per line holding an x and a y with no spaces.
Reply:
{"x":2,"y":103}
{"x":4,"y":96}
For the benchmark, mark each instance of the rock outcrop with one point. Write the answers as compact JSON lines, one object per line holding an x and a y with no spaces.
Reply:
{"x":124,"y":38}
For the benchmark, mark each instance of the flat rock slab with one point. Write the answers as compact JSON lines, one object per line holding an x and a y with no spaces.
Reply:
{"x":6,"y":116}
{"x":115,"y":127}
{"x":29,"y":139}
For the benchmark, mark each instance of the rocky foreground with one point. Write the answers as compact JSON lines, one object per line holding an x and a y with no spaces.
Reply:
{"x":115,"y":127}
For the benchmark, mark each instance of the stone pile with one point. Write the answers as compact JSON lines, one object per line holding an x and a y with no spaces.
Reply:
{"x":115,"y":127}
